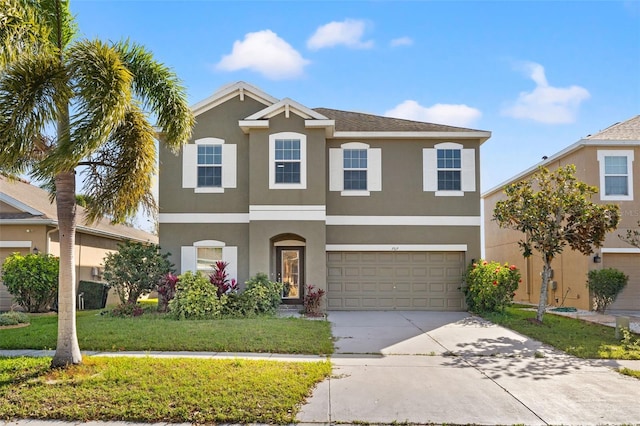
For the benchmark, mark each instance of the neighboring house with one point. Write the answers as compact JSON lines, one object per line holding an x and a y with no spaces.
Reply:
{"x":29,"y":223}
{"x":610,"y":161}
{"x":382,"y":213}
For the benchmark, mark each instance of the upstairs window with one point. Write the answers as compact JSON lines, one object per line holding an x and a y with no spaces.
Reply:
{"x":209,"y":166}
{"x":449,"y":169}
{"x":287,"y":161}
{"x":616,"y":174}
{"x":355,"y":169}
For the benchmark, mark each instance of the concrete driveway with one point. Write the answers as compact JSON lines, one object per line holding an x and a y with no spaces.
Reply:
{"x":449,"y":367}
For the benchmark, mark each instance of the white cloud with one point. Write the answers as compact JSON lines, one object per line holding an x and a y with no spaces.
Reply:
{"x":265,"y":53}
{"x":449,"y":114}
{"x":348,"y":33}
{"x":401,"y":41}
{"x":545,"y":103}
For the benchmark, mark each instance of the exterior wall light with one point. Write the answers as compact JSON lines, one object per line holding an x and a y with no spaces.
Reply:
{"x":597,"y":258}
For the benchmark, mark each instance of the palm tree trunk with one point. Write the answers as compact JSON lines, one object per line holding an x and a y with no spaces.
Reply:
{"x":67,"y":348}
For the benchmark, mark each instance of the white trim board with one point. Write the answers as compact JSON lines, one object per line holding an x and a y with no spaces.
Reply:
{"x":19,"y":204}
{"x":405,"y":220}
{"x":15,"y":244}
{"x":203,"y":218}
{"x":396,"y":247}
{"x":620,"y":250}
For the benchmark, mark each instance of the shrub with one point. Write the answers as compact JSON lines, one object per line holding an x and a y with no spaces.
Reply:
{"x":166,"y":291}
{"x":32,"y":280}
{"x":263,"y":296}
{"x":312,"y":300}
{"x":490,"y":287}
{"x":196,"y":298}
{"x":126,"y":310}
{"x":605,"y":284}
{"x":135,"y":269}
{"x":13,"y":318}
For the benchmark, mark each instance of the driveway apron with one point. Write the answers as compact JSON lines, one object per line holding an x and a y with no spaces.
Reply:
{"x":450,"y":367}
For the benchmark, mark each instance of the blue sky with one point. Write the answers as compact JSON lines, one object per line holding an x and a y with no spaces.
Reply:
{"x":539,"y":75}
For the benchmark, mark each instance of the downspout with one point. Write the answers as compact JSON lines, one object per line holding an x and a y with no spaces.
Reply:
{"x":48,"y":239}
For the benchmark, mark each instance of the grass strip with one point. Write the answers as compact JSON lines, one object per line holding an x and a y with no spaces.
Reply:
{"x":630,"y":372}
{"x":157,"y":333}
{"x":158,"y":390}
{"x":576,"y":337}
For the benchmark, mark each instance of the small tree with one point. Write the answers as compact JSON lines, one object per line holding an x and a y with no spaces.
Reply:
{"x":605,"y":284}
{"x":32,"y":280}
{"x":553,"y":209}
{"x":135,"y":269}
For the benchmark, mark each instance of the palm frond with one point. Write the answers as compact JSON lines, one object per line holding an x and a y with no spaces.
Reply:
{"x":31,"y":90}
{"x":56,"y":15}
{"x":161,"y":91}
{"x":119,"y":176}
{"x":21,"y":30}
{"x":102,"y":94}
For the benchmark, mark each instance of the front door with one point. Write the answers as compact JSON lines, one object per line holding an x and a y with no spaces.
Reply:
{"x":290,"y":270}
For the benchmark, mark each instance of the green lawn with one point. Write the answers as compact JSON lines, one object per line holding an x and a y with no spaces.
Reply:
{"x":157,"y":333}
{"x":579,"y":338}
{"x":158,"y":390}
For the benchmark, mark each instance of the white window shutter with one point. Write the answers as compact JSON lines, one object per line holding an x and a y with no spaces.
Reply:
{"x":187,"y":259}
{"x":230,"y":255}
{"x":374,"y":169}
{"x":336,"y":175}
{"x":229,"y":167}
{"x":429,"y":170}
{"x":190,"y":166}
{"x":468,"y":174}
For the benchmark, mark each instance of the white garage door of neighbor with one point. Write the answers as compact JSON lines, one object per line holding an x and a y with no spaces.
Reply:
{"x":629,"y":263}
{"x":395,"y":280}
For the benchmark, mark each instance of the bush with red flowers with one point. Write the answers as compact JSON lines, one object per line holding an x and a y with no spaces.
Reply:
{"x":490,"y":286}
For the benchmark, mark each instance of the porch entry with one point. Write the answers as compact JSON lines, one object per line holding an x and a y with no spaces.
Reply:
{"x":290,"y":272}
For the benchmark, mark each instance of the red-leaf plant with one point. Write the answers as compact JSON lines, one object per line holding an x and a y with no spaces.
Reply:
{"x":220,"y":279}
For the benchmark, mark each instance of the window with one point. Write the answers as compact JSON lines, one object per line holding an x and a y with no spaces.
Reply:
{"x":287,"y":161}
{"x":449,"y":169}
{"x":355,"y":169}
{"x":202,"y":256}
{"x":209,"y":165}
{"x":616,"y":180}
{"x":206,"y":257}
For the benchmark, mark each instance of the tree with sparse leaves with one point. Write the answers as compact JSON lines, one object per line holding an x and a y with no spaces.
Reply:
{"x":632,"y":237}
{"x":553,"y":210}
{"x":66,"y":103}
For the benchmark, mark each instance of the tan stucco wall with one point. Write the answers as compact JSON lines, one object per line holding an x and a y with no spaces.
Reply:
{"x":570,"y":268}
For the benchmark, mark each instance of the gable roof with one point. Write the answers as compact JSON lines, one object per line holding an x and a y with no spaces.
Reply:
{"x":34,"y":207}
{"x":625,"y":133}
{"x":230,"y":91}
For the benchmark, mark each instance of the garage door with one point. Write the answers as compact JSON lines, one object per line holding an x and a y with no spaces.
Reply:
{"x":629,"y":298}
{"x":395,"y":280}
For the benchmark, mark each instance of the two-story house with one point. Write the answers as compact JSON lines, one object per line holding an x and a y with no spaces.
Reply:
{"x":380,"y":212}
{"x":607,"y":160}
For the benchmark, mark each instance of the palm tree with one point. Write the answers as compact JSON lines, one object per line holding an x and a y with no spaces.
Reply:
{"x":67,"y":103}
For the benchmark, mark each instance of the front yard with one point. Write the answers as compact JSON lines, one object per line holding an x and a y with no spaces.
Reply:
{"x":157,"y":333}
{"x":197,"y":391}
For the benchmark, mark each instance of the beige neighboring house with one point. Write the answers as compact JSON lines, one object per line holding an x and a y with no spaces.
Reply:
{"x":609,"y":160}
{"x":381,"y":213}
{"x":29,"y":223}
